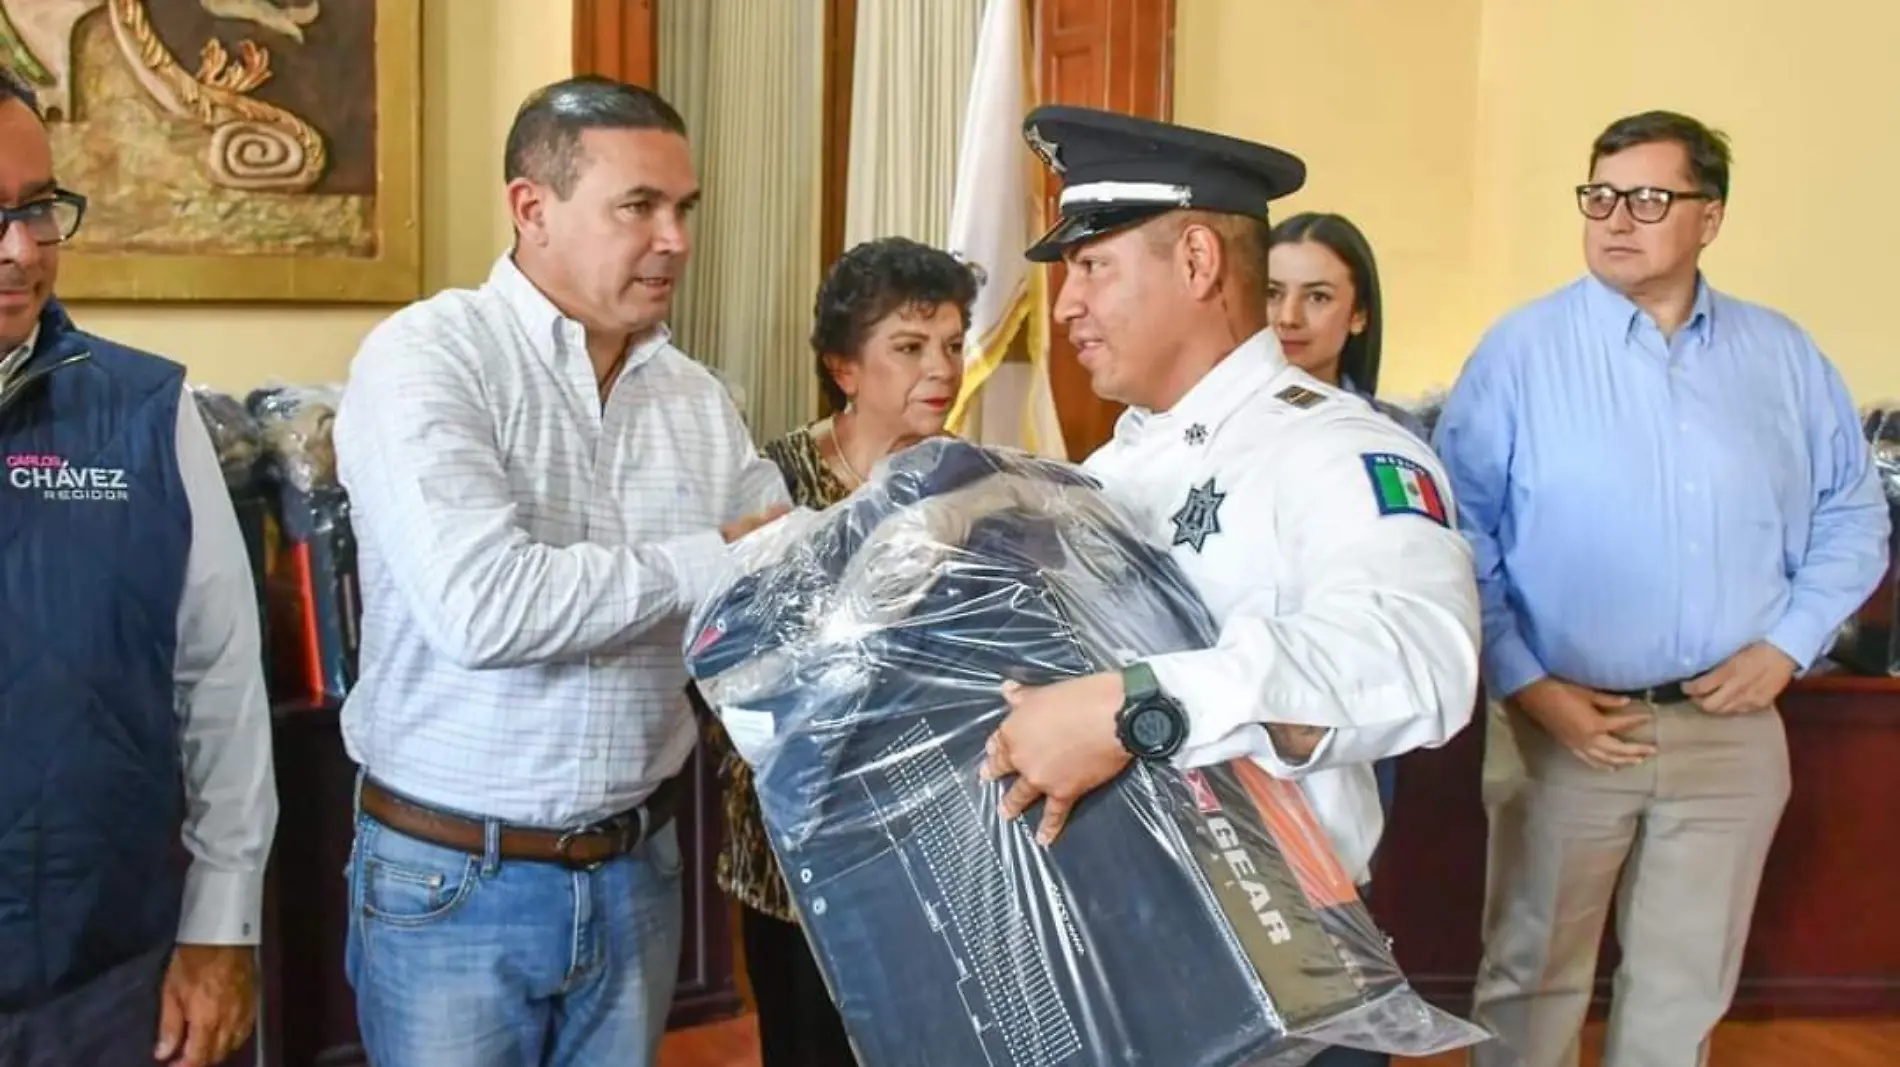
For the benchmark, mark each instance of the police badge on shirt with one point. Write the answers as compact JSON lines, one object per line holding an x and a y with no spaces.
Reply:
{"x":1199,"y":517}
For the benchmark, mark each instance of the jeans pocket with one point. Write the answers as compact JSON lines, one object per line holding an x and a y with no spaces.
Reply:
{"x":663,"y":850}
{"x":407,"y":882}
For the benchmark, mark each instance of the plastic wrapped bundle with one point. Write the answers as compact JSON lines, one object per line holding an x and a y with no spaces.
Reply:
{"x":1869,"y":641}
{"x":234,"y":433}
{"x":1883,"y":432}
{"x":1194,"y":919}
{"x":311,"y":585}
{"x":239,"y":443}
{"x":296,"y":424}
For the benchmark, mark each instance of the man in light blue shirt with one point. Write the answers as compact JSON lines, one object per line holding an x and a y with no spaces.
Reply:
{"x":1672,"y":510}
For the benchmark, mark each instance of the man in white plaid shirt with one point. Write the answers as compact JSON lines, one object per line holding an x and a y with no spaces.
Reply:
{"x":542,"y":486}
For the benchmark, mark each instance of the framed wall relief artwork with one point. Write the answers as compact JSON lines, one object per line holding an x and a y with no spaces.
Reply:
{"x":231,"y":149}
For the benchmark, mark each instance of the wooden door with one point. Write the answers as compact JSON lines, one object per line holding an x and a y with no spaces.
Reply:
{"x":616,"y":38}
{"x":1117,"y":55}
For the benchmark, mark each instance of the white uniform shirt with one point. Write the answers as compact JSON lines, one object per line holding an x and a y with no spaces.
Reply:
{"x":224,"y":726}
{"x":1320,"y":536}
{"x":527,"y":555}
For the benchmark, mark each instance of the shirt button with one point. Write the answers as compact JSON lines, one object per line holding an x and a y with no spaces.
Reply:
{"x":1695,"y":549}
{"x":1683,"y":426}
{"x":1688,"y":487}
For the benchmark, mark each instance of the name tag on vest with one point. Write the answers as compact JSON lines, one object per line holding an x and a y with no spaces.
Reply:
{"x":52,"y":478}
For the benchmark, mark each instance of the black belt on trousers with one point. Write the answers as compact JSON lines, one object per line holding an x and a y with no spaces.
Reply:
{"x":1666,"y":693}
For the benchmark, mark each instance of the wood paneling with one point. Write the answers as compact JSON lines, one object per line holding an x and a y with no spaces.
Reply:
{"x":1820,"y":944}
{"x":707,"y":987}
{"x":841,"y":38}
{"x":311,"y":1009}
{"x":1117,"y":55}
{"x":1428,"y":877}
{"x":616,"y":38}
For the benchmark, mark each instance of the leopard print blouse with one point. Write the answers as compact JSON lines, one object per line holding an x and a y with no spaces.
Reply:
{"x":747,"y":870}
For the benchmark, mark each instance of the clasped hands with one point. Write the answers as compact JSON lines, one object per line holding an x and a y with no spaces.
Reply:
{"x":1589,"y":723}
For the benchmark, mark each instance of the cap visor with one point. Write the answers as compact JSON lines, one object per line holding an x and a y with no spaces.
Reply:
{"x":1078,"y":229}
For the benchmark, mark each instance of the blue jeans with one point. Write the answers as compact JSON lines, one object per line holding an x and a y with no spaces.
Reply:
{"x":461,"y":960}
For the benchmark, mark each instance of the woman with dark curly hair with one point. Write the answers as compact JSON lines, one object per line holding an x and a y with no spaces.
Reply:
{"x":887,"y":337}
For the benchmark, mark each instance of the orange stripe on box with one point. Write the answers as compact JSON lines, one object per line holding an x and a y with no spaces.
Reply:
{"x":1302,"y":841}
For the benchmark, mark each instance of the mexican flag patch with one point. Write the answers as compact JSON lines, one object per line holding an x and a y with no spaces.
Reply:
{"x":1404,"y":487}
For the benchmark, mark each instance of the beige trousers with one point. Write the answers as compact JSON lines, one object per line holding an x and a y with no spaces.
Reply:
{"x":1679,"y":841}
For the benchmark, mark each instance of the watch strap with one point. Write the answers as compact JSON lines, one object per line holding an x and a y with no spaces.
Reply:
{"x":1138,"y":684}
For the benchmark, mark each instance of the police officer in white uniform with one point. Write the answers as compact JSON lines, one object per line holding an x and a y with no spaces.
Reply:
{"x":1320,"y":534}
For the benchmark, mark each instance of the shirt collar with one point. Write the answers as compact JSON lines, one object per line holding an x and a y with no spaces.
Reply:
{"x":555,"y":335}
{"x":1221,"y":391}
{"x":1618,"y":317}
{"x":11,"y":362}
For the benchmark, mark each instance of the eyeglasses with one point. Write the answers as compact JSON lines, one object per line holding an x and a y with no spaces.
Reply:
{"x":1646,"y":202}
{"x":51,"y":221}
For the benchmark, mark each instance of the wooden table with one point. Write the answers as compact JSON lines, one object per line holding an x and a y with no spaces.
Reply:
{"x":1824,"y":940}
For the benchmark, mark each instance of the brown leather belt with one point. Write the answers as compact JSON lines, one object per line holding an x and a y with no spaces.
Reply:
{"x":582,"y":847}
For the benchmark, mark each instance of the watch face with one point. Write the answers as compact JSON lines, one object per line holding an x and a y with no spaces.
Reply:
{"x":1151,"y":728}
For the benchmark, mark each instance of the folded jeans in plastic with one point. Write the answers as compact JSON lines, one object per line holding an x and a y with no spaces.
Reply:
{"x":1193,"y":919}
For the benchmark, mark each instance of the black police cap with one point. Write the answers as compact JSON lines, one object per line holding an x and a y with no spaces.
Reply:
{"x":1118,"y":170}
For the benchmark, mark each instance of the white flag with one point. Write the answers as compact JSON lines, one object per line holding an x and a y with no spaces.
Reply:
{"x":995,"y":216}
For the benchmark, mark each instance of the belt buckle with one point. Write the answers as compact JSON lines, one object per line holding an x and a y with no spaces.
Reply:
{"x":564,"y":844}
{"x":630,"y":831}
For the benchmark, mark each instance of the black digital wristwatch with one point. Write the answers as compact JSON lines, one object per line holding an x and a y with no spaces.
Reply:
{"x":1151,"y":725}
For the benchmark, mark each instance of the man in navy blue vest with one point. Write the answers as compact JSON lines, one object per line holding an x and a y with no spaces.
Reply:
{"x":132,"y":705}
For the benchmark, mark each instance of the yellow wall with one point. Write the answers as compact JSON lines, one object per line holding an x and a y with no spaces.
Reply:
{"x":1452,"y":131}
{"x":475,"y":71}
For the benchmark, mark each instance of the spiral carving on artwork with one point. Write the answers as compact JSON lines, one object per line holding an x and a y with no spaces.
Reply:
{"x":255,"y":155}
{"x":254,"y":145}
